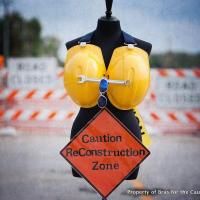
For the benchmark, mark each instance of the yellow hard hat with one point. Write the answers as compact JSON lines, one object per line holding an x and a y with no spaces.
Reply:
{"x":131,"y":64}
{"x":84,"y":60}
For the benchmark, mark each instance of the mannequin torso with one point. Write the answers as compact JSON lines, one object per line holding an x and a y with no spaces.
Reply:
{"x":108,"y":36}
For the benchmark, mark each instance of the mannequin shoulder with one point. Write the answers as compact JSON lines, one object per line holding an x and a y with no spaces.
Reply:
{"x":86,"y":38}
{"x":72,"y":43}
{"x":146,"y":46}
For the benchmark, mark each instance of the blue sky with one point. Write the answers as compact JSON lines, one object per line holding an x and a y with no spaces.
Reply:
{"x":167,"y":24}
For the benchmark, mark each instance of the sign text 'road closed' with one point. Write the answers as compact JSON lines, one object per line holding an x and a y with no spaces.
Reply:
{"x":104,"y":152}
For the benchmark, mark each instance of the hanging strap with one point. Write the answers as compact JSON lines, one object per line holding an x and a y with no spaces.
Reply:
{"x":128,"y":39}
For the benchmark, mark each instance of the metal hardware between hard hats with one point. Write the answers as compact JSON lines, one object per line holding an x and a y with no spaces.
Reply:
{"x":84,"y":79}
{"x":102,"y":101}
{"x":103,"y":86}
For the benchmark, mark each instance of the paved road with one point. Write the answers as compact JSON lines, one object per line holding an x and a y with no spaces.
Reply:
{"x":32,"y":169}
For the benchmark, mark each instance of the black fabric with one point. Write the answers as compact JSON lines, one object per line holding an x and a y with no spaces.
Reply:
{"x":128,"y":39}
{"x":87,"y":38}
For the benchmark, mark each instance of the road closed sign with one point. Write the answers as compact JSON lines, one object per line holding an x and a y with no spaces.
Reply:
{"x":32,"y":73}
{"x":178,"y":89}
{"x":104,"y":152}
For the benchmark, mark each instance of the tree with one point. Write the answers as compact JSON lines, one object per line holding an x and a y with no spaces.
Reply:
{"x":177,"y":60}
{"x":25,"y":37}
{"x":5,"y":28}
{"x":50,"y":46}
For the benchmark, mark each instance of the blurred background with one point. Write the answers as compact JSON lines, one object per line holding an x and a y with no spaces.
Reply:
{"x":33,"y":28}
{"x":36,"y":114}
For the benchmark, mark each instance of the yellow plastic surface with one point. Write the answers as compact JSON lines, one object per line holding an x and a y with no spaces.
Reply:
{"x":83,"y":60}
{"x":131,"y":65}
{"x":146,"y":139}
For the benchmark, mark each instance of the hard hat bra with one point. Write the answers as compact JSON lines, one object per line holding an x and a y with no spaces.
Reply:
{"x":128,"y":74}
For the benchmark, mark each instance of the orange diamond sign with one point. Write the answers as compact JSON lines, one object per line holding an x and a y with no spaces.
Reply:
{"x":104,"y":152}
